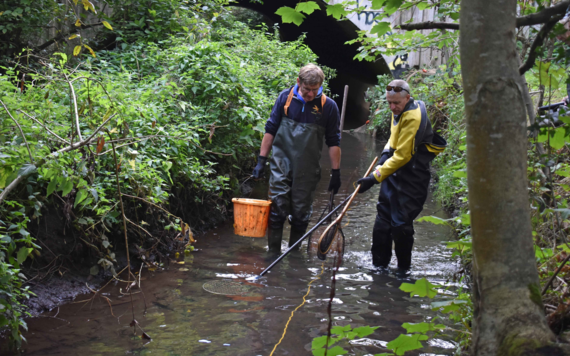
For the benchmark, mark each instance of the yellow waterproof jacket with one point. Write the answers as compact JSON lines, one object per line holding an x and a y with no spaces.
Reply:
{"x":409,"y":131}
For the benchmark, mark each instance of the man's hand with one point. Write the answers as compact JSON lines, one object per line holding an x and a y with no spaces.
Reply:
{"x":334,"y":183}
{"x":258,"y":170}
{"x":366,"y":183}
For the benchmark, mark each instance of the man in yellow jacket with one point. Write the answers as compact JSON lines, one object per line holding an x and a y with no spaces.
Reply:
{"x":404,"y":171}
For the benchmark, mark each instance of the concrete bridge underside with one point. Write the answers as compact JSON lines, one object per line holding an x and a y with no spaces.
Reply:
{"x":327,"y":37}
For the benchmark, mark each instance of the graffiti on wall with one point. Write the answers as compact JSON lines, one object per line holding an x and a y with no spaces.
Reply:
{"x":369,"y":16}
{"x":398,"y":65}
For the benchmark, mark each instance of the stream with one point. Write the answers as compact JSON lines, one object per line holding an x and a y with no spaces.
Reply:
{"x":182,"y":318}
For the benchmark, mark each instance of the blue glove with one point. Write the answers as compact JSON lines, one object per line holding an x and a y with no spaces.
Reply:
{"x":258,"y":170}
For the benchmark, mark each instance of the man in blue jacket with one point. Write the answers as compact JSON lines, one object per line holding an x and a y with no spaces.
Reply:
{"x":301,"y":119}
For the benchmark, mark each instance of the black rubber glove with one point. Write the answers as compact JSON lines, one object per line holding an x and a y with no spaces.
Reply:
{"x":258,"y":170}
{"x":334,"y":183}
{"x":366,"y":183}
{"x":383,"y":158}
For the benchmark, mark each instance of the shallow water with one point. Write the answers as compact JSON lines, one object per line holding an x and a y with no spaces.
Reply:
{"x":184,"y":319}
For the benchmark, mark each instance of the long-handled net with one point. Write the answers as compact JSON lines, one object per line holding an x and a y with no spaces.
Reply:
{"x":334,"y":242}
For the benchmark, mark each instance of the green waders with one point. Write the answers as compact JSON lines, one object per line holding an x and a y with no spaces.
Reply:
{"x":295,"y":173}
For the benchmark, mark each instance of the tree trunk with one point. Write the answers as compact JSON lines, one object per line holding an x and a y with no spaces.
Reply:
{"x":509,"y":317}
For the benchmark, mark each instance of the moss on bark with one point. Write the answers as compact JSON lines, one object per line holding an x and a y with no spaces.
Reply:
{"x":535,"y":294}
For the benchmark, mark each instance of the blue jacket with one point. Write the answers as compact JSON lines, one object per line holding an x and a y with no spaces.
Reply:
{"x":302,"y":112}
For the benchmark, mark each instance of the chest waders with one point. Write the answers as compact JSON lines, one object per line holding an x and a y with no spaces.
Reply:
{"x":402,"y":196}
{"x":295,"y":173}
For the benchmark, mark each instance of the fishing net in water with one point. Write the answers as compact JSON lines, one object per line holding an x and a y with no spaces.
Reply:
{"x":220,"y":286}
{"x":332,"y":242}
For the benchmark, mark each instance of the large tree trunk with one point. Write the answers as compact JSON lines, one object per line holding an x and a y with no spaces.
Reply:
{"x":509,"y":317}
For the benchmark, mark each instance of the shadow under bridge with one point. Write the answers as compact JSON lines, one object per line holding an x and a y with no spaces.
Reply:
{"x":327,"y":38}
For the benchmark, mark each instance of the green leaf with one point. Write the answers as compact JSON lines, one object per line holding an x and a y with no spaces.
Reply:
{"x":307,"y":7}
{"x":81,"y":195}
{"x":340,"y":330}
{"x":290,"y":15}
{"x":26,"y":169}
{"x":392,"y":6}
{"x":462,"y":246}
{"x":422,"y":6}
{"x":337,"y":11}
{"x":421,"y":288}
{"x":51,"y":187}
{"x":3,"y":321}
{"x":542,"y":136}
{"x":465,"y":219}
{"x":377,"y":4}
{"x":460,"y":174}
{"x":404,"y":343}
{"x":380,"y":28}
{"x":364,"y":331}
{"x":67,"y":187}
{"x":319,"y":352}
{"x":93,"y":192}
{"x":434,"y":220}
{"x":455,"y":16}
{"x":557,"y":140}
{"x":318,"y":342}
{"x":422,"y":327}
{"x":23,"y":254}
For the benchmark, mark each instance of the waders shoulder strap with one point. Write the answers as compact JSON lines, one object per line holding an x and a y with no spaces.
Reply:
{"x":288,"y":103}
{"x":290,"y":97}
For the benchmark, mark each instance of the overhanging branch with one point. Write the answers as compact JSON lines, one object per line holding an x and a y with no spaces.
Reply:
{"x":429,"y":25}
{"x":540,"y":37}
{"x":544,"y":15}
{"x":534,"y":19}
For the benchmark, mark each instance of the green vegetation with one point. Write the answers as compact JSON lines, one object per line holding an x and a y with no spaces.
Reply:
{"x":174,"y":120}
{"x":458,"y":310}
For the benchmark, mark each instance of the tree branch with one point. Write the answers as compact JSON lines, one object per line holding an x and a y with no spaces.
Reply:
{"x":44,"y":126}
{"x":544,"y":15}
{"x":538,"y":18}
{"x":74,"y":109}
{"x":22,"y":132}
{"x":41,"y":162}
{"x":546,"y":28}
{"x":429,"y":25}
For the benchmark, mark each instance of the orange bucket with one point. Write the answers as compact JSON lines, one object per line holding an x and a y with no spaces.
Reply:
{"x":251,"y":216}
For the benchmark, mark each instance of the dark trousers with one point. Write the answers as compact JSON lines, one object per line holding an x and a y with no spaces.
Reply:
{"x":401,"y":199}
{"x":382,"y":237}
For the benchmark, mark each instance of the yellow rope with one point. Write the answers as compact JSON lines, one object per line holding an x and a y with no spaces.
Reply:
{"x":300,"y":305}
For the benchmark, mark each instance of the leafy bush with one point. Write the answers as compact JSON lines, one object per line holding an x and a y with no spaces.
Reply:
{"x":185,"y":119}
